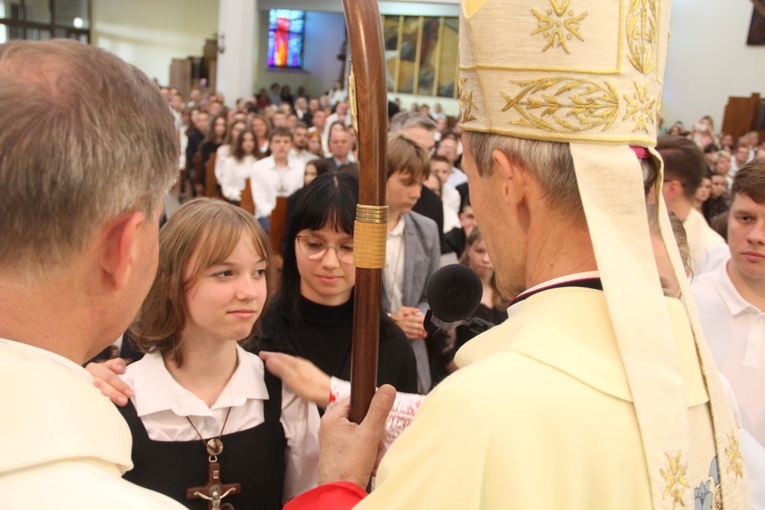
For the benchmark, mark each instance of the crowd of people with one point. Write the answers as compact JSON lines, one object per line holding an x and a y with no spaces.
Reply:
{"x":207,"y":243}
{"x":571,"y":400}
{"x":265,"y":146}
{"x":229,"y":141}
{"x":311,"y":314}
{"x":724,"y":155}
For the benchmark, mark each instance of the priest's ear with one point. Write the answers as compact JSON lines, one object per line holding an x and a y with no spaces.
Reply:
{"x":122,"y":242}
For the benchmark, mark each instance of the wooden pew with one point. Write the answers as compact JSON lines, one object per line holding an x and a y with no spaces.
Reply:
{"x":278,"y":226}
{"x":247,"y":203}
{"x":211,"y":183}
{"x":742,"y":114}
{"x":278,"y":222}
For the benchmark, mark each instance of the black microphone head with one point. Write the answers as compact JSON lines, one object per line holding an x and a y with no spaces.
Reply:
{"x":454,"y":292}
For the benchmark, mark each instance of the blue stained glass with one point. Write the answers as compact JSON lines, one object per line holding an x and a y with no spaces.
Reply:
{"x":295,"y":51}
{"x":285,"y":37}
{"x":271,"y":48}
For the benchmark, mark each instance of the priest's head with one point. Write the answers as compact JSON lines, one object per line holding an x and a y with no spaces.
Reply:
{"x":89,"y":149}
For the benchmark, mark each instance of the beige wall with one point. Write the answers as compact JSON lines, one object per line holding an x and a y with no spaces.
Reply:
{"x":150,"y":33}
{"x":709,"y":60}
{"x":708,"y":56}
{"x":324,"y":35}
{"x":319,"y":75}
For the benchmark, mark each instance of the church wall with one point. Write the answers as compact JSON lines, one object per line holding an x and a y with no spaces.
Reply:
{"x":708,"y":57}
{"x":709,"y":60}
{"x":150,"y":33}
{"x":325,"y":33}
{"x":324,"y":36}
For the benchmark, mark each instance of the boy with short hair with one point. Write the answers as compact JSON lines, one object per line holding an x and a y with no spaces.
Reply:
{"x":413,"y":248}
{"x":731,"y":304}
{"x":275,"y":176}
{"x":718,"y":197}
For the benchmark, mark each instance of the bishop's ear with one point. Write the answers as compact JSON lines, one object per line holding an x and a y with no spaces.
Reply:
{"x":514,"y":177}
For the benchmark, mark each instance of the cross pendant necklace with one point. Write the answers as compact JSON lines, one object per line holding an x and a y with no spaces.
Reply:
{"x":215,"y":490}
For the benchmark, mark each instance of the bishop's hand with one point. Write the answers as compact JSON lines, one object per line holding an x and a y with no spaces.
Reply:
{"x":351,"y":452}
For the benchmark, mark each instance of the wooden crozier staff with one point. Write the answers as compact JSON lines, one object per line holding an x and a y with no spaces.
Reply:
{"x":369,"y":108}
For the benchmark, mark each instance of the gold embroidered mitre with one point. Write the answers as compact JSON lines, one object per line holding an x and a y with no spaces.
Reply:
{"x":563,"y":70}
{"x":589,"y":73}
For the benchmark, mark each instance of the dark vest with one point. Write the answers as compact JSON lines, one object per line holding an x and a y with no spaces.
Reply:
{"x":253,"y":458}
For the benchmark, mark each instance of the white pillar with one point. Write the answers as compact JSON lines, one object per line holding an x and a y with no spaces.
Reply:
{"x":237,"y":24}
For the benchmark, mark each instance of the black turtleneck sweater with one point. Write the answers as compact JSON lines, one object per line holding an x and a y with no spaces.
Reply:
{"x":323,"y":336}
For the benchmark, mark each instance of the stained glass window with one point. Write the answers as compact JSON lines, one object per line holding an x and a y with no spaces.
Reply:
{"x":285,"y":38}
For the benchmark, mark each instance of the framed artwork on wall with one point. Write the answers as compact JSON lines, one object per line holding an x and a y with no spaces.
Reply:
{"x":421,"y":54}
{"x":757,"y":26}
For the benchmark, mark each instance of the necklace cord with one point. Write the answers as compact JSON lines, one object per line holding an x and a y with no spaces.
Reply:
{"x":212,"y":458}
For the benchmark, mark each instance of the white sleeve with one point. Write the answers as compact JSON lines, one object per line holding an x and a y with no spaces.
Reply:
{"x":731,"y":398}
{"x":451,"y":220}
{"x":402,"y":414}
{"x":296,"y":177}
{"x":754,"y":460}
{"x":228,"y":181}
{"x":221,"y":156}
{"x":263,"y":194}
{"x":184,"y":144}
{"x":451,"y":198}
{"x":300,"y":420}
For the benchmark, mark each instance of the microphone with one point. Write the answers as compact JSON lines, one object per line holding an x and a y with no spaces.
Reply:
{"x":454,"y":293}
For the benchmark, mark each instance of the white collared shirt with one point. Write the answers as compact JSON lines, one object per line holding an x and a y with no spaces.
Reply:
{"x":701,"y":239}
{"x":350,"y":158}
{"x":451,"y":199}
{"x":223,"y":153}
{"x":164,"y":405}
{"x":269,"y":181}
{"x":456,"y":177}
{"x":394,"y":265}
{"x":735,"y":332}
{"x":234,"y":177}
{"x":301,"y":158}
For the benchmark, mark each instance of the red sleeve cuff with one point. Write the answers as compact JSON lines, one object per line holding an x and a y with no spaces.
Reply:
{"x":331,"y":496}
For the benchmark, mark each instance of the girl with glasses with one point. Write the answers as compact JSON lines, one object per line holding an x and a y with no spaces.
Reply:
{"x":312,"y":314}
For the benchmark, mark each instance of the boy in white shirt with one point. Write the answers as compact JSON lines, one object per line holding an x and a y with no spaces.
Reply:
{"x":275,"y":176}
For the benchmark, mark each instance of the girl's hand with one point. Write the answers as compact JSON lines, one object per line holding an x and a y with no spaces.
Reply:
{"x":106,"y":378}
{"x":300,"y":375}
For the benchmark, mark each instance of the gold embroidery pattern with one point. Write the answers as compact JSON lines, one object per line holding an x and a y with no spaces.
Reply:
{"x":556,"y":27}
{"x":569,"y":105}
{"x":353,"y":100}
{"x":659,"y":99}
{"x":472,"y":6}
{"x":735,"y":459}
{"x":640,"y":107}
{"x":675,"y":478}
{"x":643,"y":34}
{"x":466,"y":103}
{"x":717,"y":498}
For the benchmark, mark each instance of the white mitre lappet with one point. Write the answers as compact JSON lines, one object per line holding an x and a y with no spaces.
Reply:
{"x":590,"y":73}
